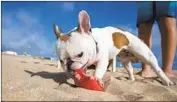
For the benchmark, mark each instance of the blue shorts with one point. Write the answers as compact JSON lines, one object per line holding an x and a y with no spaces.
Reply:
{"x":153,"y":10}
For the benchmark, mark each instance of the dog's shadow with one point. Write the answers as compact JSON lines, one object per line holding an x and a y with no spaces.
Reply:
{"x":60,"y":77}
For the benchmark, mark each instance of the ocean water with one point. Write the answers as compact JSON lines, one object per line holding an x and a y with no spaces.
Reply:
{"x":138,"y":65}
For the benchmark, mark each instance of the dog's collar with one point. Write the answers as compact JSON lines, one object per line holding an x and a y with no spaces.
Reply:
{"x":96,"y":43}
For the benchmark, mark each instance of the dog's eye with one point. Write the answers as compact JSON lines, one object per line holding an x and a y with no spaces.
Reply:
{"x":61,"y":61}
{"x":80,"y":55}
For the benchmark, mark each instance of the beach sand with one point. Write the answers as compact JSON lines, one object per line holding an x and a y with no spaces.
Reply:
{"x":28,"y":79}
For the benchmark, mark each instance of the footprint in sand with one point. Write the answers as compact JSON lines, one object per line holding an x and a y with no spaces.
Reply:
{"x":51,"y":64}
{"x":23,"y":62}
{"x":132,"y":97}
{"x":36,"y":62}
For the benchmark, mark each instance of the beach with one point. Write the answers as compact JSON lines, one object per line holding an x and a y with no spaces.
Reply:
{"x":27,"y":78}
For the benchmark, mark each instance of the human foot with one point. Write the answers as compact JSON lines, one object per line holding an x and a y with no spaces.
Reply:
{"x":169,"y":73}
{"x":145,"y":73}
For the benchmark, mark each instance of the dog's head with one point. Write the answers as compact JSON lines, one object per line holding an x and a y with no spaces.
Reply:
{"x":73,"y":48}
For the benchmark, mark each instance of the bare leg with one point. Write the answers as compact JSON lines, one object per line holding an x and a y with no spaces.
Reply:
{"x":168,"y":31}
{"x":144,"y":33}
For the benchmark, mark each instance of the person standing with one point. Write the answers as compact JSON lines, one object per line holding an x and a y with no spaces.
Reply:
{"x":165,"y":13}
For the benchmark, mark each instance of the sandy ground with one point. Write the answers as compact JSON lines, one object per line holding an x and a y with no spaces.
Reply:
{"x":29,"y":79}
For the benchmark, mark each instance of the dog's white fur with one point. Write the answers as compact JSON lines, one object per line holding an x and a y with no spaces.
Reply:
{"x":84,"y":42}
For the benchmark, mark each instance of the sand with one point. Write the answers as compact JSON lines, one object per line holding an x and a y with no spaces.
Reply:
{"x":28,"y":79}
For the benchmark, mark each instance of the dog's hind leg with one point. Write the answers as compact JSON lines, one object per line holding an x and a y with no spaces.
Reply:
{"x":128,"y":66}
{"x":142,"y":52}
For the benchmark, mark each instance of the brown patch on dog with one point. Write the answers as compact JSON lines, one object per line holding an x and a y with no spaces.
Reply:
{"x":130,"y":54}
{"x":119,"y":40}
{"x":57,"y":31}
{"x":78,"y":29}
{"x":64,"y":37}
{"x":125,"y":53}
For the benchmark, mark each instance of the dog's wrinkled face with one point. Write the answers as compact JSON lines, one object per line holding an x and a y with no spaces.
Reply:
{"x":75,"y":48}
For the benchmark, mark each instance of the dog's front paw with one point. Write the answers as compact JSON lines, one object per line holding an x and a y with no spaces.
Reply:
{"x":172,"y":83}
{"x":100,"y":81}
{"x":132,"y":79}
{"x":168,"y":83}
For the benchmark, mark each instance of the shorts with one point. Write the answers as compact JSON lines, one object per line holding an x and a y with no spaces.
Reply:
{"x":153,"y":10}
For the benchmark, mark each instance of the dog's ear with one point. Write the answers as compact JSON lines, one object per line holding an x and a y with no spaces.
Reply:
{"x":57,"y":31}
{"x":84,"y":22}
{"x":58,"y":34}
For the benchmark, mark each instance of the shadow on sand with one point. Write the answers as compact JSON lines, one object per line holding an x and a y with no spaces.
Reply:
{"x":60,"y":77}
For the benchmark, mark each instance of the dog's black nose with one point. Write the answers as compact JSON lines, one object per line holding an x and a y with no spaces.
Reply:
{"x":69,"y":63}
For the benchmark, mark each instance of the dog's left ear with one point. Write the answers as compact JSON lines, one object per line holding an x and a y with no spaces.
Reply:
{"x":84,"y":22}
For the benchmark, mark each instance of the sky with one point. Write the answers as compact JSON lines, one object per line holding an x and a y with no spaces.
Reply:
{"x":28,"y":26}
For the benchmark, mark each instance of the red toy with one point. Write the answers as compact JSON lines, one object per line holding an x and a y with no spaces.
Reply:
{"x":86,"y":82}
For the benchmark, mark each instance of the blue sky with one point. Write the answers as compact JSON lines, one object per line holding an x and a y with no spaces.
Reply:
{"x":28,"y":26}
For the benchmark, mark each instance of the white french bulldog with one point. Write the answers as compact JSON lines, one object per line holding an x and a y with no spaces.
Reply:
{"x":84,"y":46}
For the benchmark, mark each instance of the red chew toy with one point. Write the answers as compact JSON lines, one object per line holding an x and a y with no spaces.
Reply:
{"x":86,"y":82}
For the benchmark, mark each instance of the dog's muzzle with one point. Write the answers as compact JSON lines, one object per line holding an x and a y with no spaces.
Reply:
{"x":69,"y":63}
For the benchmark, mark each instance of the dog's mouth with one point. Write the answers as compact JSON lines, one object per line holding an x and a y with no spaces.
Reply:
{"x":69,"y":64}
{"x":74,"y":65}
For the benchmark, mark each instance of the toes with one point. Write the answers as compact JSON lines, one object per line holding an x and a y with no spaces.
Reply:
{"x":132,"y":79}
{"x":91,"y":77}
{"x":101,"y":82}
{"x":172,"y":83}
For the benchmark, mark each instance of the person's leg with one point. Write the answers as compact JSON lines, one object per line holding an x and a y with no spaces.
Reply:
{"x":167,"y":25}
{"x":144,"y":23}
{"x":144,"y":33}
